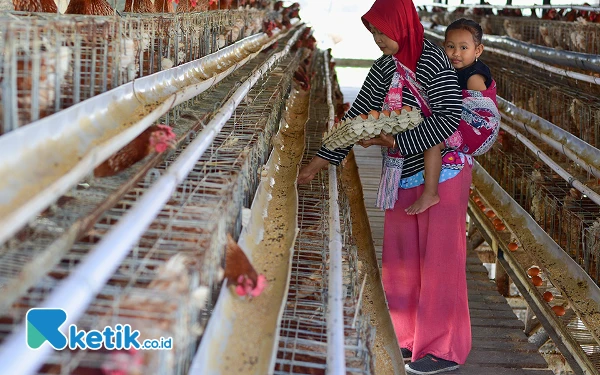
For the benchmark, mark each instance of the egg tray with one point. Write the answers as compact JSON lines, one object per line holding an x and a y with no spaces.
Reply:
{"x":350,"y":131}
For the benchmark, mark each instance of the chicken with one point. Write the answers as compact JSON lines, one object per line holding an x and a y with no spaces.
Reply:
{"x":185,"y":6}
{"x":53,"y":67}
{"x":139,"y":6}
{"x":240,"y":272}
{"x":90,"y":7}
{"x":512,"y":30}
{"x":486,"y":26}
{"x":158,"y":311}
{"x":163,"y":6}
{"x":550,"y":14}
{"x":219,"y":4}
{"x":546,"y":36}
{"x":156,"y":138}
{"x":302,"y":78}
{"x":47,"y":6}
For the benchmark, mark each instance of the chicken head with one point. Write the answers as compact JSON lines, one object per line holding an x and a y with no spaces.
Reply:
{"x":162,"y":139}
{"x":245,"y":286}
{"x":240,"y":273}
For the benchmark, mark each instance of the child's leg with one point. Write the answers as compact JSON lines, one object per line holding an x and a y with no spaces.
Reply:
{"x":433,"y":168}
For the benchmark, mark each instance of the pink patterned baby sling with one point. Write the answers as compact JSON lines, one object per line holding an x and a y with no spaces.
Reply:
{"x":387,"y":195}
{"x":479,"y":123}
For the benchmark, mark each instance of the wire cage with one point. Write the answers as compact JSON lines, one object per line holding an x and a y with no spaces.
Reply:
{"x":569,"y":36}
{"x":571,"y":105}
{"x":560,"y":210}
{"x":166,"y":285}
{"x":303,"y":332}
{"x":70,"y":58}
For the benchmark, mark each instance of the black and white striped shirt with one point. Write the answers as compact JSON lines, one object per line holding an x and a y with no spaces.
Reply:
{"x":440,"y":82}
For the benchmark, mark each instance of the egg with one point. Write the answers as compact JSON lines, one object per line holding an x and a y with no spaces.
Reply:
{"x":513,"y":246}
{"x":548,"y":296}
{"x":533,"y":271}
{"x":482,"y":207}
{"x":470,"y":191}
{"x":537,"y":281}
{"x":500,"y":227}
{"x":386,"y":112}
{"x":364,"y":117}
{"x":476,"y":199}
{"x":558,"y":310}
{"x":491,"y":214}
{"x":497,"y":221}
{"x":374,"y":113}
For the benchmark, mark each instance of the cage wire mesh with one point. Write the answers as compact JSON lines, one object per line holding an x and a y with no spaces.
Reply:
{"x":37,"y":247}
{"x":158,"y":288}
{"x":564,"y":213}
{"x":571,"y":105}
{"x":570,"y":36}
{"x":68,"y":58}
{"x":303,"y":333}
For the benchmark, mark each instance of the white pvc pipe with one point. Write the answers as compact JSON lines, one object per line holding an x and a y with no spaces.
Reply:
{"x":76,"y":292}
{"x":560,"y":147}
{"x":546,"y":67}
{"x":336,"y":356}
{"x":581,"y":152}
{"x":552,"y":164}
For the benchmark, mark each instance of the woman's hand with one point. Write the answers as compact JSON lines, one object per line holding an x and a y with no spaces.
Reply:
{"x":385,"y":140}
{"x":309,"y":171}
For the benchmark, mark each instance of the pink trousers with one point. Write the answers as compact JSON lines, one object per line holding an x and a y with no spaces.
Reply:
{"x":424,"y":272}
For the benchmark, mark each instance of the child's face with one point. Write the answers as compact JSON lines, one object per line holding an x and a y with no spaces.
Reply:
{"x":385,"y":44}
{"x":461,"y":49}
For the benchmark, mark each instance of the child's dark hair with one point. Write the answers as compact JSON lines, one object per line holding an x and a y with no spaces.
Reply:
{"x":469,"y":25}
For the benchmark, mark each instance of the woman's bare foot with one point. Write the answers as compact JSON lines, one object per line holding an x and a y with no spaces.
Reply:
{"x":425,"y":201}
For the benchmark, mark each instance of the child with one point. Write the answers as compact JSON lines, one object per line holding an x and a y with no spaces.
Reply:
{"x":480,"y":117}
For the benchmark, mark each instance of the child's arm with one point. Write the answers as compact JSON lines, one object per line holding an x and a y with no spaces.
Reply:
{"x":476,"y":82}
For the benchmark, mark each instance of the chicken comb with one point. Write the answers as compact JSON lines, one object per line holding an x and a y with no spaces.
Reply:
{"x":167,"y":129}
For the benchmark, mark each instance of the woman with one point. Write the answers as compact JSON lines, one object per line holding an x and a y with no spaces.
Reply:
{"x":424,"y":255}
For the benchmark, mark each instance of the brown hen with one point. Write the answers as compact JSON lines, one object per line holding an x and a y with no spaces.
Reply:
{"x":90,"y":7}
{"x":47,"y":6}
{"x":156,"y":138}
{"x":139,"y":6}
{"x":240,"y":272}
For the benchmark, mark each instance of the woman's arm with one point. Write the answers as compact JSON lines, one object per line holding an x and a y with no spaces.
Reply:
{"x":370,"y":97}
{"x":445,"y":100}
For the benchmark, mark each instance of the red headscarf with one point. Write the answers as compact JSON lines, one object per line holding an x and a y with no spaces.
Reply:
{"x":399,"y":21}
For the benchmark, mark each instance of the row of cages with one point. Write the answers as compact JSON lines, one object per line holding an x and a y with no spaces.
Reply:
{"x":50,"y":62}
{"x":570,"y":218}
{"x":572,"y":106}
{"x":562,"y":35}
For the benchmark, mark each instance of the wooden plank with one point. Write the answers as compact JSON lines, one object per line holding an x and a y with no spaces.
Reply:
{"x":507,"y":323}
{"x":492,"y":333}
{"x":468,"y":369}
{"x":507,"y":359}
{"x":492,"y":314}
{"x":515,"y":346}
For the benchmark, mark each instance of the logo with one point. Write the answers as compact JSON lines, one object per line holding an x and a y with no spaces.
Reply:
{"x":44,"y":325}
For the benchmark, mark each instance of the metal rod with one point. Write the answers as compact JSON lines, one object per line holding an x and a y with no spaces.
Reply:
{"x":561,"y":140}
{"x":336,"y":359}
{"x":552,"y":164}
